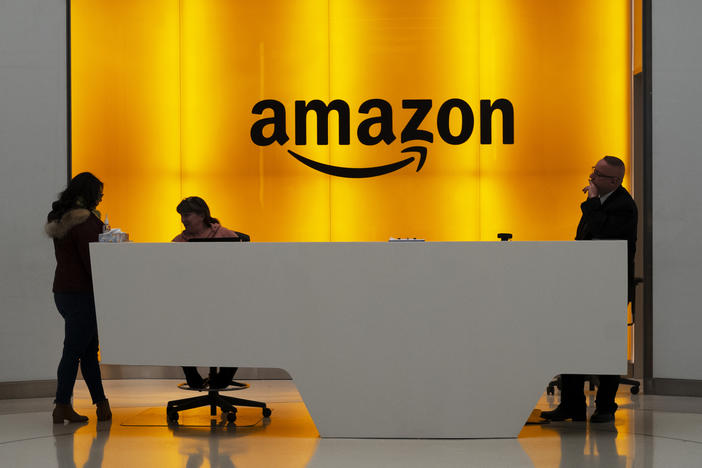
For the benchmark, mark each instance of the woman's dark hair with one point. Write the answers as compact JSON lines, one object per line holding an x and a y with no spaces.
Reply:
{"x":83,"y":191}
{"x":197,"y":205}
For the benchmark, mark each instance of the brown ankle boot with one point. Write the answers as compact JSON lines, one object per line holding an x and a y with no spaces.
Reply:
{"x":64,"y":412}
{"x":103,"y":410}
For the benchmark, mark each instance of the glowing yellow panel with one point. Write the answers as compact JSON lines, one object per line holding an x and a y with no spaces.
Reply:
{"x":125,"y":108}
{"x":163,"y":94}
{"x":427,"y":51}
{"x":566,"y":66}
{"x":234,"y":54}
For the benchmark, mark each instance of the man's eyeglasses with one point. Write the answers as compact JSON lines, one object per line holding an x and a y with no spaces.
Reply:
{"x":597,"y":173}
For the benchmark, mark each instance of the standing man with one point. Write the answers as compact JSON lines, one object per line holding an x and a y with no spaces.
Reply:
{"x":608,"y":213}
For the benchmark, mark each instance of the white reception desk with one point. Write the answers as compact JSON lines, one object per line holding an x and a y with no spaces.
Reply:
{"x":428,"y":340}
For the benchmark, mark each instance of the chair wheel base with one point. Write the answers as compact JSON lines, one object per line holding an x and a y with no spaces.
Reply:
{"x":172,"y":416}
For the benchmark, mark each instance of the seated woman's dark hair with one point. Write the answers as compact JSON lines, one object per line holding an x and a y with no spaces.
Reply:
{"x":83,"y":191}
{"x":197,"y":205}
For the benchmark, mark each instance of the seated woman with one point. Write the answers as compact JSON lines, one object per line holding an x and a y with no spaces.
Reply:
{"x":195,"y":216}
{"x":199,"y":224}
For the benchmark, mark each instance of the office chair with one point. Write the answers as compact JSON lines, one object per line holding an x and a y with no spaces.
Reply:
{"x":635,"y":384}
{"x":556,"y":383}
{"x":213,"y":399}
{"x":243,"y":237}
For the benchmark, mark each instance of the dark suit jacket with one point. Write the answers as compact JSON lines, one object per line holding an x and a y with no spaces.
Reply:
{"x":616,"y":218}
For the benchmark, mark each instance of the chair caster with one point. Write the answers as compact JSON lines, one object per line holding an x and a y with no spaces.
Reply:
{"x":231,"y":416}
{"x":266,"y":412}
{"x":172,"y":416}
{"x":634,"y":390}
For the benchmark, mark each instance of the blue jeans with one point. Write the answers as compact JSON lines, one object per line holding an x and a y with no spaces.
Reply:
{"x":80,"y":345}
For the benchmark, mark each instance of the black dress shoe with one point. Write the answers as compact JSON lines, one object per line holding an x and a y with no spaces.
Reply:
{"x":561,"y":414}
{"x":219,"y":385}
{"x":198,"y":385}
{"x":601,"y":417}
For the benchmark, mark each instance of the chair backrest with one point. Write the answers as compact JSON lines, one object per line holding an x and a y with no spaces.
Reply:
{"x":244,"y":237}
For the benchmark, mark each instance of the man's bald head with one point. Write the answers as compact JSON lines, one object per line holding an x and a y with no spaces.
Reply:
{"x":607,"y":174}
{"x":617,"y":164}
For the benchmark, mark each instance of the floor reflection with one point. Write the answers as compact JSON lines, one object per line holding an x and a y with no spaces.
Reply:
{"x":287,"y":439}
{"x":648,"y":431}
{"x":200,"y":444}
{"x":576,"y":445}
{"x":65,"y":443}
{"x":419,"y":453}
{"x":629,"y":441}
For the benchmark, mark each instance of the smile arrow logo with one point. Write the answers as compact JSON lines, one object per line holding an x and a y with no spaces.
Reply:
{"x":362,"y":172}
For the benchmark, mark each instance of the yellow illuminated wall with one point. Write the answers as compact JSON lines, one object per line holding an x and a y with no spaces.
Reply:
{"x":162,"y":94}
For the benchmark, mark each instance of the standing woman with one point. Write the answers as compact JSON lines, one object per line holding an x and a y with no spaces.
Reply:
{"x":73,"y":223}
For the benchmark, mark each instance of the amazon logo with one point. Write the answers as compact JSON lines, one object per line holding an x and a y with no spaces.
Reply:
{"x":379,"y":128}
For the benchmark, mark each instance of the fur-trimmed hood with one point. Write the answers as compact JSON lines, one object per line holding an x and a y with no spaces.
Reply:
{"x":57,"y":229}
